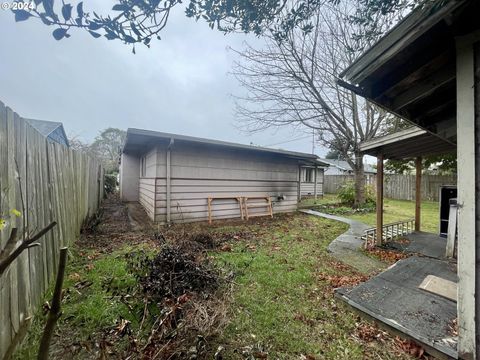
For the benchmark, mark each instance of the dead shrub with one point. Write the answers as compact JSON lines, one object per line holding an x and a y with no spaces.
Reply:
{"x":172,"y":273}
{"x":206,"y":317}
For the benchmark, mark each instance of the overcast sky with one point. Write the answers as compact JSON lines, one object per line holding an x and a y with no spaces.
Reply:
{"x":179,"y":85}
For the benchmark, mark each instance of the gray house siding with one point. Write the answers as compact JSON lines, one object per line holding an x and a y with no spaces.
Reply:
{"x":198,"y":172}
{"x":129,"y":177}
{"x":149,"y":170}
{"x":307,"y":188}
{"x":146,"y":197}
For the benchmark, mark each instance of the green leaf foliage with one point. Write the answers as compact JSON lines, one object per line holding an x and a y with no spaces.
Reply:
{"x":59,"y":33}
{"x":21,"y":15}
{"x":67,"y":11}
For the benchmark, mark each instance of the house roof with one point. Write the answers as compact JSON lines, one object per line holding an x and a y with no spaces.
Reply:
{"x":46,"y":128}
{"x":411,"y":71}
{"x":408,"y":143}
{"x":138,"y":141}
{"x":345,"y":166}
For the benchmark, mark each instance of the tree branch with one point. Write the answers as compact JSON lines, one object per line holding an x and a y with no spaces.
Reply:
{"x":7,"y":258}
{"x":54,"y":312}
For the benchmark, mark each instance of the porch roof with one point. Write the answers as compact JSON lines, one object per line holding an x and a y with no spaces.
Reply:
{"x":411,"y":71}
{"x":407,"y":144}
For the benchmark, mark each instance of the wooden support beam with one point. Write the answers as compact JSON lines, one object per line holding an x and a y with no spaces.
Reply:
{"x":315,"y":184}
{"x":379,"y":199}
{"x":424,"y":88}
{"x":169,"y":181}
{"x":467,"y":231}
{"x":299,"y":185}
{"x":418,"y":192}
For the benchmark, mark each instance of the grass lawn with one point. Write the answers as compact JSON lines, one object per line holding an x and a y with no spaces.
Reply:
{"x":282,"y":302}
{"x":279,"y":305}
{"x":394,"y":210}
{"x":88,"y":310}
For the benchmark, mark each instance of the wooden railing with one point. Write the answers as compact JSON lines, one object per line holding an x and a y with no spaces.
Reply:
{"x":390,"y":232}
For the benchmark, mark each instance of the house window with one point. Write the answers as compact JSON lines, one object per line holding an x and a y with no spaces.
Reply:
{"x":309,"y":175}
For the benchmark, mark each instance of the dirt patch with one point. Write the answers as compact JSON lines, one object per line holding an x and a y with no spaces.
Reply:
{"x":370,"y":334}
{"x":177,"y":301}
{"x":336,"y":281}
{"x":139,"y":220}
{"x":367,"y":332}
{"x":111,"y":228}
{"x":412,"y":348}
{"x":387,"y":255}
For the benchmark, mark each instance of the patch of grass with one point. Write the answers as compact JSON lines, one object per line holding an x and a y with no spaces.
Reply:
{"x":394,"y":210}
{"x":321,"y":200}
{"x":397,"y":210}
{"x":87,"y":307}
{"x":280,"y":301}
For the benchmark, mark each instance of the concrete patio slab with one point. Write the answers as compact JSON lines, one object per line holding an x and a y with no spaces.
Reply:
{"x":427,"y":244}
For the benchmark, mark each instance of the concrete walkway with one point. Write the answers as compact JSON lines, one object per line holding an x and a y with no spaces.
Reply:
{"x":347,"y":247}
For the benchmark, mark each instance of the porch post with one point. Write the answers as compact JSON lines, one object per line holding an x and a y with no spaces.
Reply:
{"x":379,"y":199}
{"x":467,"y":232}
{"x":315,"y":184}
{"x":418,"y":192}
{"x":169,"y":181}
{"x":299,"y":185}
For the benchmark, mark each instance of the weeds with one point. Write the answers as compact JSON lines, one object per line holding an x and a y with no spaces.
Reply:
{"x":255,"y":290}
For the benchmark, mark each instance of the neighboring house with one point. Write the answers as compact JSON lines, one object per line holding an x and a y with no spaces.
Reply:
{"x":172,"y":176}
{"x":311,"y":181}
{"x":341,"y":167}
{"x":52,"y":130}
{"x":426,"y":70}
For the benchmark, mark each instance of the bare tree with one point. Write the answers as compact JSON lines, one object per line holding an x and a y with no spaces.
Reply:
{"x":293,"y":81}
{"x":107,"y":147}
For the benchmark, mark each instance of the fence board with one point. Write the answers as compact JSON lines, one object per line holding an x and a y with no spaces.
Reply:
{"x":45,"y":182}
{"x":397,"y":186}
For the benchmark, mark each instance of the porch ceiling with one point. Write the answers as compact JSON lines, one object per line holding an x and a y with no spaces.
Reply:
{"x":406,"y":144}
{"x":412,"y":70}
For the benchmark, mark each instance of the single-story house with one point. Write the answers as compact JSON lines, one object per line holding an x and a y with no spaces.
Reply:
{"x":342,"y":167}
{"x":427,"y":71}
{"x":179,"y":178}
{"x":52,"y":130}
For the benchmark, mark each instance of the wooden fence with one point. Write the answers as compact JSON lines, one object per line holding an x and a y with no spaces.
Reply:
{"x":332,"y":183}
{"x":400,"y":187}
{"x":46,"y":182}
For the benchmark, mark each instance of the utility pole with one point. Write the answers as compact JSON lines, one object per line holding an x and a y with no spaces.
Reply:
{"x":313,"y":141}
